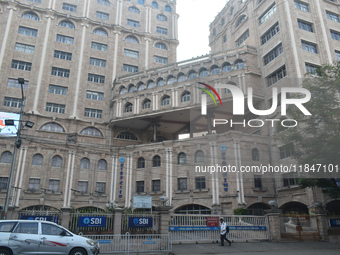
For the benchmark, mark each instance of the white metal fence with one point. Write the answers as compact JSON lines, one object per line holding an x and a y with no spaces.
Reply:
{"x":133,"y":243}
{"x":188,"y":228}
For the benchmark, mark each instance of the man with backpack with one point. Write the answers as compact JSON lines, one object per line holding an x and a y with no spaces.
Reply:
{"x":224,"y":231}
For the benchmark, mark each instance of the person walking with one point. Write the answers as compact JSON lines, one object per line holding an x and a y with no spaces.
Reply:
{"x":224,"y":232}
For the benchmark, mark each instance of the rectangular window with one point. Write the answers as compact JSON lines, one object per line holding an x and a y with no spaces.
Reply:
{"x":3,"y":183}
{"x":16,"y":64}
{"x":162,"y":30}
{"x":161,"y":60}
{"x":28,"y":31}
{"x":130,"y":68}
{"x":53,"y":185}
{"x":98,"y":62}
{"x":268,"y":13}
{"x":258,"y":181}
{"x":306,"y":26}
{"x":182,"y":183}
{"x":65,"y":39}
{"x":332,"y":16}
{"x":102,"y":15}
{"x":273,"y":54}
{"x":24,"y":48}
{"x":94,"y":95}
{"x":103,"y":2}
{"x":82,"y":186}
{"x":288,"y":180}
{"x":270,"y":33}
{"x":311,"y":69}
{"x":14,"y":83}
{"x":285,"y":152}
{"x":93,"y":113}
{"x":62,"y":55}
{"x":301,"y":6}
{"x":200,"y":182}
{"x":131,"y":53}
{"x":99,"y":46}
{"x":96,"y":78}
{"x":69,"y":7}
{"x":140,"y":186}
{"x":34,"y":184}
{"x":311,"y":47}
{"x":35,"y":1}
{"x":57,"y":108}
{"x":242,"y":38}
{"x":100,"y":187}
{"x":337,"y":55}
{"x":60,"y":72}
{"x":12,"y":102}
{"x":277,"y":75}
{"x":132,"y":23}
{"x":156,"y":185}
{"x":335,"y":35}
{"x":58,"y":90}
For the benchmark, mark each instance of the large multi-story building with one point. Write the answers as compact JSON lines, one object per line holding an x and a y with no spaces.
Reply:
{"x":102,"y":84}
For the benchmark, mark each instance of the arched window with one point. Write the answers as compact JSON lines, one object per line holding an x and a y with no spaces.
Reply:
{"x":199,"y":156}
{"x":156,"y":161}
{"x":203,"y":72}
{"x":154,"y":4}
{"x":6,"y":157}
{"x":160,"y":82}
{"x":151,"y":84}
{"x":132,"y":88}
{"x":132,"y":39}
{"x":193,"y":209}
{"x":141,"y":1}
{"x":100,"y":31}
{"x":162,"y":17}
{"x":134,"y":10}
{"x":128,"y":107}
{"x":240,"y":20}
{"x":127,"y":136}
{"x":165,"y":100}
{"x":239,"y":64}
{"x":192,"y":75}
{"x":122,"y":90}
{"x":30,"y":15}
{"x":91,"y":131}
{"x":214,"y":69}
{"x":102,"y":164}
{"x":186,"y":97}
{"x":67,"y":24}
{"x":167,"y":8}
{"x":182,"y":158}
{"x":226,"y":67}
{"x":141,"y":86}
{"x":84,"y":163}
{"x":255,"y":154}
{"x":146,"y":104}
{"x":52,"y":127}
{"x":171,"y":80}
{"x":57,"y":161}
{"x":181,"y":77}
{"x":161,"y":46}
{"x":141,"y":163}
{"x":37,"y":160}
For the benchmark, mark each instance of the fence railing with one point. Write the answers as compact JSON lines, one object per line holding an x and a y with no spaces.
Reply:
{"x":54,"y":216}
{"x":133,"y":243}
{"x":75,"y":228}
{"x":148,"y":230}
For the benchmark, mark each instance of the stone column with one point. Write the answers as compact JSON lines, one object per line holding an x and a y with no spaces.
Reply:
{"x":117,"y":222}
{"x":165,"y":219}
{"x":12,"y":214}
{"x":65,"y":217}
{"x":322,"y":225}
{"x":274,"y":225}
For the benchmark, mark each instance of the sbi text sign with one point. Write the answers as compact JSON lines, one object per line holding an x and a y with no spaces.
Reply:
{"x":140,"y":222}
{"x":87,"y":221}
{"x":39,"y":217}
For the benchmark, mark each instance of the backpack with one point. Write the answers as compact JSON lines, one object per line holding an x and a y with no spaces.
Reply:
{"x":227,"y":229}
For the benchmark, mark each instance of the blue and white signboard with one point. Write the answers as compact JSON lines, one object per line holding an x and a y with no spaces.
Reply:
{"x":87,"y":221}
{"x":140,"y":222}
{"x":334,"y":223}
{"x":39,"y":217}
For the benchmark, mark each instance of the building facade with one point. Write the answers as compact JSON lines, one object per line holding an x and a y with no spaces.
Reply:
{"x":116,"y":116}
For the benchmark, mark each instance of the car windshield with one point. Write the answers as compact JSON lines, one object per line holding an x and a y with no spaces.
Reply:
{"x":7,"y":226}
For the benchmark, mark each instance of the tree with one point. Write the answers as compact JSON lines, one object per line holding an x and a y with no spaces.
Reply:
{"x":316,"y":139}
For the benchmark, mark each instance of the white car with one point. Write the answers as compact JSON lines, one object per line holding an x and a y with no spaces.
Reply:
{"x":42,"y":237}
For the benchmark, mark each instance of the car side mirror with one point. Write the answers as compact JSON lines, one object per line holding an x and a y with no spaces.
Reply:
{"x":63,"y":233}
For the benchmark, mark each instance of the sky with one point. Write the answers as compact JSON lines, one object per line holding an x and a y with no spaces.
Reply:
{"x":193,"y":26}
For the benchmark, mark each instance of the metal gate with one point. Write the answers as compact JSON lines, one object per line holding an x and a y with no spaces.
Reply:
{"x":192,"y":228}
{"x":50,"y":215}
{"x":151,"y":230}
{"x":105,"y":229}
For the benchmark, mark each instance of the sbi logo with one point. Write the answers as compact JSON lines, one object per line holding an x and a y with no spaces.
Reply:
{"x":86,"y":221}
{"x":141,"y":221}
{"x":92,"y":221}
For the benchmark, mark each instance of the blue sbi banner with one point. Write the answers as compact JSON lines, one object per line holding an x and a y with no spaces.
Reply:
{"x":87,"y":221}
{"x":39,"y":217}
{"x":140,"y":222}
{"x":334,"y":223}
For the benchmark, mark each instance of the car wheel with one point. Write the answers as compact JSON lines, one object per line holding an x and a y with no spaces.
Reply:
{"x":76,"y":251}
{"x":5,"y":252}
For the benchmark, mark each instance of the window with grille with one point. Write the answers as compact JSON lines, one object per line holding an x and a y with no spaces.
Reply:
{"x":199,"y":156}
{"x":37,"y":160}
{"x":65,"y":39}
{"x":165,"y":100}
{"x":305,"y":26}
{"x":84,"y":163}
{"x":62,"y":55}
{"x":69,"y":7}
{"x":58,"y":90}
{"x":132,"y":23}
{"x":182,"y":183}
{"x":268,"y":13}
{"x":161,"y":46}
{"x":102,"y":164}
{"x":102,"y":15}
{"x":156,"y":185}
{"x":3,"y":183}
{"x":258,"y":181}
{"x":273,"y":54}
{"x":54,"y":185}
{"x":200,"y":182}
{"x":127,"y":136}
{"x":99,"y":46}
{"x":131,"y":53}
{"x":104,"y":2}
{"x":134,"y":10}
{"x":156,"y":161}
{"x":91,"y":131}
{"x":34,"y":185}
{"x":147,"y":104}
{"x":96,"y":78}
{"x":100,"y":31}
{"x":186,"y":97}
{"x":101,"y":187}
{"x":57,"y":161}
{"x":182,"y":158}
{"x":141,"y":163}
{"x":24,"y":48}
{"x":242,"y":38}
{"x":332,"y":16}
{"x":98,"y":62}
{"x":57,"y":108}
{"x":66,"y":24}
{"x":52,"y":127}
{"x":270,"y":33}
{"x":6,"y":157}
{"x":60,"y":72}
{"x":98,"y":96}
{"x":140,"y":186}
{"x":82,"y":186}
{"x":12,"y":102}
{"x":255,"y":154}
{"x":301,"y":6}
{"x":26,"y":66}
{"x":30,"y":15}
{"x":277,"y":75}
{"x":28,"y":31}
{"x":289,"y":180}
{"x":132,"y":39}
{"x":14,"y":83}
{"x":93,"y":113}
{"x":310,"y":47}
{"x":335,"y":35}
{"x":162,"y":30}
{"x":130,"y":68}
{"x":162,"y":17}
